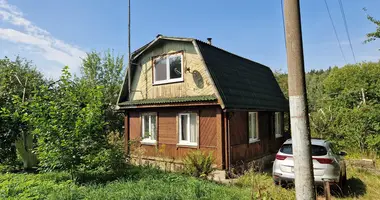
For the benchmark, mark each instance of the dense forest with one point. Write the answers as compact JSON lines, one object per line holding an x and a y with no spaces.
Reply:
{"x":344,"y":105}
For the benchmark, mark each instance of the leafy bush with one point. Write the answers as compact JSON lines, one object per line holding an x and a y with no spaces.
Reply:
{"x":107,"y":165}
{"x":198,"y":164}
{"x":18,"y":80}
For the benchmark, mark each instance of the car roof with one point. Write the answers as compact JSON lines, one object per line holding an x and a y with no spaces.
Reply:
{"x":319,"y":142}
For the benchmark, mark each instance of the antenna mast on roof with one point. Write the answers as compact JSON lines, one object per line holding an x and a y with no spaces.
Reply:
{"x":129,"y":49}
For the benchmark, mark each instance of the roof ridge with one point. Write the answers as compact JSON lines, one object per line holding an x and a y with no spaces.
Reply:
{"x":205,"y":43}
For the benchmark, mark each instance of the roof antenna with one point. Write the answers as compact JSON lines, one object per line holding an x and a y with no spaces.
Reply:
{"x":129,"y":49}
{"x":209,"y":41}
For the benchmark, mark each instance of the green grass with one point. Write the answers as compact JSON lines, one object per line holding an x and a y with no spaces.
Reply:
{"x":361,"y":184}
{"x":149,"y":183}
{"x":138,"y":183}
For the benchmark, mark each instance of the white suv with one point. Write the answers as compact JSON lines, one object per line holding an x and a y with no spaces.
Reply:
{"x":328,"y":163}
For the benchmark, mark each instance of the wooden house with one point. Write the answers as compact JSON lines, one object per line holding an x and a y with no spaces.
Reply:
{"x":183,"y":94}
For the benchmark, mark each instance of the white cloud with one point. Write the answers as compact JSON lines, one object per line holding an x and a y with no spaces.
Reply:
{"x":39,"y":39}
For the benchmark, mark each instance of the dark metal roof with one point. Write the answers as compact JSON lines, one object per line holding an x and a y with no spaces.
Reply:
{"x":242,"y":83}
{"x":169,"y":100}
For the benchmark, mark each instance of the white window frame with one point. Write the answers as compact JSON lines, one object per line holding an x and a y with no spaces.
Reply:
{"x":255,"y":132}
{"x":187,"y":142}
{"x":168,"y":80}
{"x":152,"y":138}
{"x":278,"y":124}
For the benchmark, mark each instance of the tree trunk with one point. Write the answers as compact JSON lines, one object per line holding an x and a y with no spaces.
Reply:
{"x":24,"y":148}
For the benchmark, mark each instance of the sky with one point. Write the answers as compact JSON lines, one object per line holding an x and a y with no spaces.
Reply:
{"x":53,"y":34}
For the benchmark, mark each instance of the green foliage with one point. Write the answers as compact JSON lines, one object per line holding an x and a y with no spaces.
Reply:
{"x":282,"y":80}
{"x":376,"y":34}
{"x":344,"y":105}
{"x":137,"y":183}
{"x":68,"y":121}
{"x":106,"y":71}
{"x":352,"y":93}
{"x":18,"y":80}
{"x":344,"y":86}
{"x":314,"y":88}
{"x":198,"y":164}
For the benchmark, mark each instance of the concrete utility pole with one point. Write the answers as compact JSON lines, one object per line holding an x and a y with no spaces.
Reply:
{"x":303,"y":166}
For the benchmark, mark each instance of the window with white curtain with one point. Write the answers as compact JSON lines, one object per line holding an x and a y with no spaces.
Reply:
{"x":187,"y":129}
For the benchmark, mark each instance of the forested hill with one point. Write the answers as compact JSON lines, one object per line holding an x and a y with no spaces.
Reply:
{"x":344,"y":105}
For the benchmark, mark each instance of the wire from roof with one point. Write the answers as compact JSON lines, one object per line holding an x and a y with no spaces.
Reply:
{"x":346,"y":27}
{"x":336,"y":34}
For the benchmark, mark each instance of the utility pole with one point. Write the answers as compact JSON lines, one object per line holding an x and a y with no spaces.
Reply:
{"x":303,"y":166}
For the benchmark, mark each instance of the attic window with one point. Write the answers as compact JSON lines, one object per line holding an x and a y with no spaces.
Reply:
{"x":168,"y":69}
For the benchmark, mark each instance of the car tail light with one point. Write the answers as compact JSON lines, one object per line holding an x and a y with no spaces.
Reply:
{"x":324,"y":160}
{"x":281,"y":157}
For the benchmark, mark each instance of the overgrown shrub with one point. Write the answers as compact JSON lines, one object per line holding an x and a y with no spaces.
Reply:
{"x":262,"y":186}
{"x":198,"y":164}
{"x":18,"y":80}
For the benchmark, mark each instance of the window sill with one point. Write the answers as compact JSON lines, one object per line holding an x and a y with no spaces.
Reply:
{"x":148,"y":142}
{"x":188,"y":145}
{"x":254,"y":141}
{"x":168,"y":82}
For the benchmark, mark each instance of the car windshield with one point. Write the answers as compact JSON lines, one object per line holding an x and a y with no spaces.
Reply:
{"x":315,"y":150}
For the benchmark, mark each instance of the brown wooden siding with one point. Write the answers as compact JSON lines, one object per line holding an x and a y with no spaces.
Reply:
{"x":241,"y":149}
{"x":167,"y":138}
{"x":134,"y":126}
{"x":207,"y":127}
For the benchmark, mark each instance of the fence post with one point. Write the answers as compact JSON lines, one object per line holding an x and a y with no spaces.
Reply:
{"x":326,"y":187}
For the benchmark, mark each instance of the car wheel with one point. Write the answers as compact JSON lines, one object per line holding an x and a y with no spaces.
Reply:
{"x":276,"y":183}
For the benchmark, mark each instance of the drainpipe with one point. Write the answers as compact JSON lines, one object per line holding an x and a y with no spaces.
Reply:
{"x":127,"y":138}
{"x":229,"y":143}
{"x":227,"y":137}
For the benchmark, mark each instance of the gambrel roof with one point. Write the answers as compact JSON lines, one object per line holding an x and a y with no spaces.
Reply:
{"x":240,"y":82}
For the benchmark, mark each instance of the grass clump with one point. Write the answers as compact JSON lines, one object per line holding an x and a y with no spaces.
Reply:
{"x":198,"y":164}
{"x":262,"y":187}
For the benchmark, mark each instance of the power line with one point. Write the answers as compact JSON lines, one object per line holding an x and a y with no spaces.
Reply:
{"x":336,"y":34}
{"x":345,"y":25}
